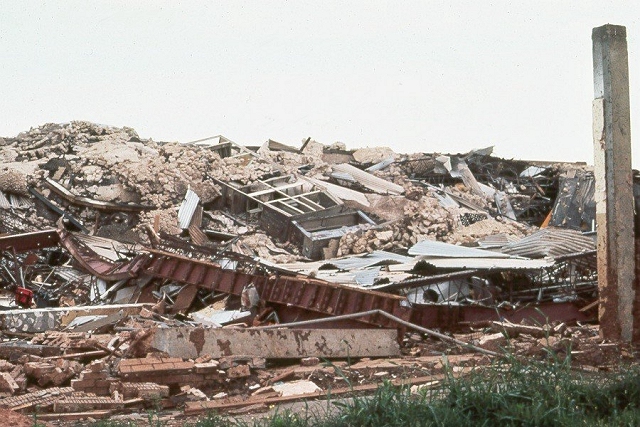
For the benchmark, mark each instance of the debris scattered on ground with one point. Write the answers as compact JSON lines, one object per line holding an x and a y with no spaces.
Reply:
{"x":210,"y":275}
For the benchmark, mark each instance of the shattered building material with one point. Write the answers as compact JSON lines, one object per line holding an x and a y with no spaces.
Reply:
{"x":91,"y":203}
{"x":55,"y":208}
{"x":167,"y":371}
{"x":45,"y":319}
{"x":307,"y":294}
{"x":371,"y":182}
{"x":314,"y":234}
{"x":194,"y":300}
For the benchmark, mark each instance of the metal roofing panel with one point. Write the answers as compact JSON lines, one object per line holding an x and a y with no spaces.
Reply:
{"x":348,"y":263}
{"x":532,"y":171}
{"x":343,"y":176}
{"x":340,"y":192}
{"x":370,"y":181}
{"x":490,"y":263}
{"x":381,"y":165}
{"x":433,"y":248}
{"x":551,"y":242}
{"x":4,"y":202}
{"x":108,"y":248}
{"x":20,"y":202}
{"x":367,"y":260}
{"x":187,"y":209}
{"x":496,"y":240}
{"x":367,"y":277}
{"x":71,"y":274}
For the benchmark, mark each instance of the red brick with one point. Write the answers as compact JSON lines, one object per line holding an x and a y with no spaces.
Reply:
{"x":240,"y":371}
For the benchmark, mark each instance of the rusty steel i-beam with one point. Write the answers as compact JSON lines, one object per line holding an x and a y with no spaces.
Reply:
{"x":614,"y":192}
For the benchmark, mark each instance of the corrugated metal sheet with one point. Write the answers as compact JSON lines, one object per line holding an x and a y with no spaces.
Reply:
{"x":430,"y":248}
{"x":349,"y":263}
{"x":367,"y":277}
{"x":340,"y":192}
{"x":187,"y":209}
{"x":71,"y":274}
{"x":490,"y":263}
{"x":211,"y":317}
{"x":19,"y":202}
{"x":445,"y":200}
{"x":362,"y":278}
{"x":496,"y":240}
{"x":110,"y":249}
{"x":4,"y":202}
{"x":372,"y":182}
{"x":362,"y":261}
{"x":343,"y":176}
{"x":443,"y":291}
{"x":551,"y":242}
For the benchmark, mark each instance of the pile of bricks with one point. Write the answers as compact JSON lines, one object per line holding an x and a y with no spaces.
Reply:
{"x":147,"y":391}
{"x":95,"y":379}
{"x":43,"y":399}
{"x":81,"y":402}
{"x":56,"y":372}
{"x":169,"y":371}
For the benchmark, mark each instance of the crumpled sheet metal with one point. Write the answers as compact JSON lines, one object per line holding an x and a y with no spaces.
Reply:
{"x":312,"y":295}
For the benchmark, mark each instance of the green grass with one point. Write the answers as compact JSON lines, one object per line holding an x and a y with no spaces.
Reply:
{"x":509,"y":393}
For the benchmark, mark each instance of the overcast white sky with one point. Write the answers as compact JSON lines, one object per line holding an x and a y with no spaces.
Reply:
{"x":425,"y":76}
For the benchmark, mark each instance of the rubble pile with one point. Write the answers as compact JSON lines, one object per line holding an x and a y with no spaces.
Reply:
{"x":213,"y":276}
{"x":422,"y":219}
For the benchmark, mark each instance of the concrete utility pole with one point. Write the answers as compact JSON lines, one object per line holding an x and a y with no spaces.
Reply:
{"x":614,"y":192}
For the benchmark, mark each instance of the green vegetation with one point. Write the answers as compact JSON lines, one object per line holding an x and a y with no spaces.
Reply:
{"x":509,"y":393}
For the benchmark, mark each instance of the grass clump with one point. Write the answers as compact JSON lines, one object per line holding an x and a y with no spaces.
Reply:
{"x":507,"y":394}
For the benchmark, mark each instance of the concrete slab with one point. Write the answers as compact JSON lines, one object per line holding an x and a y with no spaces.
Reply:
{"x":190,"y":343}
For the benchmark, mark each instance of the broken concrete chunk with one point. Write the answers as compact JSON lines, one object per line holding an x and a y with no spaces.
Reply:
{"x":372,"y":155}
{"x":295,"y":388}
{"x":309,"y":361}
{"x":8,"y":384}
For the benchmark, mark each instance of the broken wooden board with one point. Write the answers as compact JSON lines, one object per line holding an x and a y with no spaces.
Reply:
{"x":190,"y":343}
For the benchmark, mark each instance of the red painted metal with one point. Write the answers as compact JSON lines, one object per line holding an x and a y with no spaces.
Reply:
{"x":29,"y":241}
{"x":456,"y":316}
{"x":316,"y":298}
{"x":312,"y":295}
{"x":98,"y":266}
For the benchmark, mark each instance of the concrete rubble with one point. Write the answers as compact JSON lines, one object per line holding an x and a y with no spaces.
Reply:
{"x":214,"y":276}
